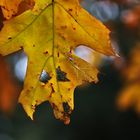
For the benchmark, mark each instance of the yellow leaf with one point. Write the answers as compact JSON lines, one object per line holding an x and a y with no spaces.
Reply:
{"x":130,"y":95}
{"x":49,"y":34}
{"x":132,"y":70}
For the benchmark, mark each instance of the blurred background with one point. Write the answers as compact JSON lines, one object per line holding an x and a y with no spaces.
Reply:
{"x":109,"y":109}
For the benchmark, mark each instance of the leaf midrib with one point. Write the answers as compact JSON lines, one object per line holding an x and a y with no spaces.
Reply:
{"x":53,"y":2}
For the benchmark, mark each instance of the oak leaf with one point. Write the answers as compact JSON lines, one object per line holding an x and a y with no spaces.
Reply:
{"x":49,"y":34}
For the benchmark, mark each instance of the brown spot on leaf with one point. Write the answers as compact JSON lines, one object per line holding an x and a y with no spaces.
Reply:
{"x":68,"y":89}
{"x":70,"y":10}
{"x":46,"y":52}
{"x":9,"y":38}
{"x":52,"y":88}
{"x":74,"y":28}
{"x":33,"y":107}
{"x":58,"y":54}
{"x":63,"y":27}
{"x":54,"y":106}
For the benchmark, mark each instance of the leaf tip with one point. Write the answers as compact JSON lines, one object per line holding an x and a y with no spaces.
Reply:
{"x":29,"y":110}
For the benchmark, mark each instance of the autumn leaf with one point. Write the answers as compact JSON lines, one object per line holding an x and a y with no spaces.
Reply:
{"x":130,"y":95}
{"x":49,"y":33}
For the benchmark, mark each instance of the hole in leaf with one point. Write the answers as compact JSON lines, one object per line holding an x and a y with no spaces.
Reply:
{"x":20,"y":65}
{"x":44,"y":77}
{"x":66,"y":108}
{"x":85,"y":53}
{"x":89,"y":55}
{"x":61,"y":75}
